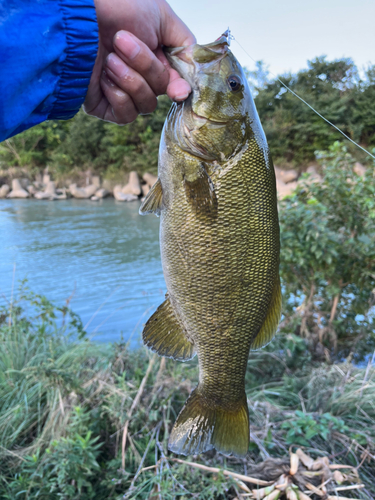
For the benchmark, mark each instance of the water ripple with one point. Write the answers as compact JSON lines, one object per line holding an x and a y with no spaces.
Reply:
{"x":104,"y":251}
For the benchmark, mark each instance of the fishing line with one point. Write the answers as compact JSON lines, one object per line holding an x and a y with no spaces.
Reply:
{"x":307,"y":104}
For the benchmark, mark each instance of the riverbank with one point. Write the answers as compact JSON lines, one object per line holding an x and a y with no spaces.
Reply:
{"x":86,"y":186}
{"x":128,"y":187}
{"x":82,"y":420}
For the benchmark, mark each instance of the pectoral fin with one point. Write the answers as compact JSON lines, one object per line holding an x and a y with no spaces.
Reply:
{"x":153,"y":201}
{"x":164,"y":334}
{"x":269,"y":327}
{"x":200,"y":192}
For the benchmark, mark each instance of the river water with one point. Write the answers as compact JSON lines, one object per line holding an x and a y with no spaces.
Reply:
{"x":103,"y":253}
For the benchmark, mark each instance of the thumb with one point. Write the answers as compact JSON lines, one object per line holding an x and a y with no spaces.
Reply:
{"x":174,"y":33}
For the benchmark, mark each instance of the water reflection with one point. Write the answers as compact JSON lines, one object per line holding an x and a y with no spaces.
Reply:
{"x":105,"y":251}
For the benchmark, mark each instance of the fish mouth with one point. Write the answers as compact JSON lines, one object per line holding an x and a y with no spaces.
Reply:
{"x":186,"y":60}
{"x":202,"y":120}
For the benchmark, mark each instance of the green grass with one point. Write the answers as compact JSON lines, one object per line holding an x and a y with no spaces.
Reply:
{"x":65,"y":401}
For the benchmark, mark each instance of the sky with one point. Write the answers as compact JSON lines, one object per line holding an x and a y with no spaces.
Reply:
{"x":286,"y":33}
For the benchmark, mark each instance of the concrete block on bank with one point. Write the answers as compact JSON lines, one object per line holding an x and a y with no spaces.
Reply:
{"x":120,"y":196}
{"x":48,"y":194}
{"x":38,"y":179}
{"x":108,"y":185}
{"x":150,"y":179}
{"x":96,"y":180}
{"x":82,"y":193}
{"x":102,"y":193}
{"x":17,"y":190}
{"x":61,"y":194}
{"x":133,"y":186}
{"x":46,"y":179}
{"x":4,"y":190}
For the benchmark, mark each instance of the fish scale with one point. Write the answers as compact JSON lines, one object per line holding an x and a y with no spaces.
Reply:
{"x":219,"y":238}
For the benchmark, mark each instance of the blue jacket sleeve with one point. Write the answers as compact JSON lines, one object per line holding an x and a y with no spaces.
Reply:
{"x":47,"y":53}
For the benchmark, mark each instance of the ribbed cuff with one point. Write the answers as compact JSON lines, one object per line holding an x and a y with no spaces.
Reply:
{"x":82,"y":38}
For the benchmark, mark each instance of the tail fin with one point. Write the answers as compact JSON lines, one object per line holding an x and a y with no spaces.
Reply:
{"x":201,"y":426}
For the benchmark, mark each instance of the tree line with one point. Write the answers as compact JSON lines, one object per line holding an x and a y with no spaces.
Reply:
{"x":294,"y":132}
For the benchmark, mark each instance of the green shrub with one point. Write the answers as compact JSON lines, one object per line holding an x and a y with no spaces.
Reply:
{"x":65,"y":469}
{"x":304,"y":427}
{"x":328,"y":259}
{"x":335,"y":90}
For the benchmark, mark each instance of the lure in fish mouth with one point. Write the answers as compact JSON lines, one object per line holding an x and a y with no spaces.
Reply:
{"x":219,"y":240}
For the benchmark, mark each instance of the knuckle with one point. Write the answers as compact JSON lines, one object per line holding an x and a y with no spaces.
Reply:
{"x":123,"y":108}
{"x":140,"y":87}
{"x":148,"y":65}
{"x":122,"y":100}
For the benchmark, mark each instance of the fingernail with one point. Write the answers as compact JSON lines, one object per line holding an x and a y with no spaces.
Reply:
{"x":181,"y":97}
{"x":127,"y":45}
{"x":106,"y":78}
{"x":116,"y":66}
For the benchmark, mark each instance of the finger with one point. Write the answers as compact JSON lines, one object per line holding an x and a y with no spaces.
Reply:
{"x":132,"y":83}
{"x":120,"y":107}
{"x":94,"y":94}
{"x":141,"y":59}
{"x":178,"y":89}
{"x":174,"y":33}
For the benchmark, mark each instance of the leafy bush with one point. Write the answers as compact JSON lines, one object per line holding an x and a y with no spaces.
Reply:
{"x":328,"y":259}
{"x":304,"y":427}
{"x":334,"y":89}
{"x":65,"y":469}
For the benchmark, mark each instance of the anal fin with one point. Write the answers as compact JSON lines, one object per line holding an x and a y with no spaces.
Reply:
{"x":164,"y":334}
{"x":153,"y":201}
{"x":270,"y":324}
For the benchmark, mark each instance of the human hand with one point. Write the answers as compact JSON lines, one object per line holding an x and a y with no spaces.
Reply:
{"x":130,"y":69}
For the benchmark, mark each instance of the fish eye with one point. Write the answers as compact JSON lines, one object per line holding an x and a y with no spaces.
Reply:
{"x":234,"y":83}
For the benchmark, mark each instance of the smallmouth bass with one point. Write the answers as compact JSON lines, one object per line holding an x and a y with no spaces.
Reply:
{"x":219,"y":238}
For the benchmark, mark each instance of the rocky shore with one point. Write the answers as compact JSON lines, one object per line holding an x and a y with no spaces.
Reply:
{"x":44,"y":188}
{"x":91,"y":187}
